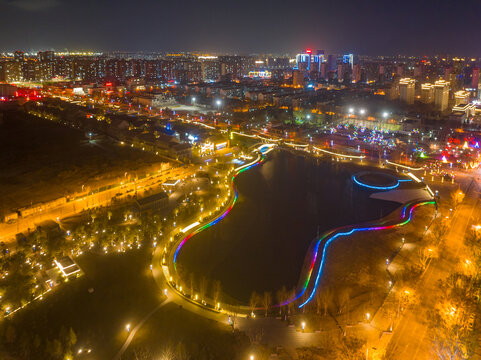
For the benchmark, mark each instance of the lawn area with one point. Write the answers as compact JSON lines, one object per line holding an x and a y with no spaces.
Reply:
{"x":172,"y":328}
{"x":123,"y":292}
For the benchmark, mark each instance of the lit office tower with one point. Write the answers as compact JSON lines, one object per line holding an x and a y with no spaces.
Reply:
{"x":447,"y":73}
{"x":298,"y":78}
{"x":19,"y":56}
{"x":323,"y":73}
{"x":303,"y":61}
{"x":441,"y":94}
{"x":343,"y":73}
{"x":418,"y":70}
{"x":461,"y":97}
{"x":236,"y":66}
{"x":210,"y":67}
{"x":46,"y":55}
{"x":322,"y":56}
{"x":427,"y":93}
{"x":406,"y":90}
{"x":278,"y":63}
{"x":331,"y":63}
{"x":307,"y":61}
{"x":348,"y":59}
{"x":400,"y":70}
{"x":475,"y":78}
{"x":356,"y":73}
{"x":382,"y":73}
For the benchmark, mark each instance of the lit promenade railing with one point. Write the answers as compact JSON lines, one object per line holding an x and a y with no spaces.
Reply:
{"x":403,"y":166}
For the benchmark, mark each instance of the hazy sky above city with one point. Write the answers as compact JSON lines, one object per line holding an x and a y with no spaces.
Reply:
{"x":369,"y":27}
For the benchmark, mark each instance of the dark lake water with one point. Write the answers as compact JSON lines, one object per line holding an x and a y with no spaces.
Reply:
{"x":283,"y":203}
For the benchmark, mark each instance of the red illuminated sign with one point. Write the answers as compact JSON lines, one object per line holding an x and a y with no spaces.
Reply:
{"x":308,"y":51}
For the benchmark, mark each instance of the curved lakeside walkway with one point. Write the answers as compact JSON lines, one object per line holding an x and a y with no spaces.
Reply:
{"x":317,"y":253}
{"x":317,"y":262}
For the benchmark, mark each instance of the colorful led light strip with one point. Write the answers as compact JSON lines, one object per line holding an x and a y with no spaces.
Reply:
{"x":404,"y":221}
{"x":379,"y":187}
{"x":239,"y":170}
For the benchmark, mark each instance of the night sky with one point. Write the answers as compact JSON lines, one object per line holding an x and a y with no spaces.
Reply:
{"x":421,"y":27}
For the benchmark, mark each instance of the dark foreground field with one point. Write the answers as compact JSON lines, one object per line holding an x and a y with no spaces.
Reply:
{"x":42,"y":160}
{"x":123,"y":292}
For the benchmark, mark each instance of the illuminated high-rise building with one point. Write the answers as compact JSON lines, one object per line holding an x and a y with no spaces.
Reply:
{"x":297,"y":78}
{"x":461,"y":97}
{"x":418,"y":70}
{"x":46,"y":55}
{"x":441,"y":94}
{"x":475,"y":78}
{"x":400,"y":70}
{"x":356,"y":73}
{"x":448,"y":72}
{"x":427,"y":93}
{"x":323,"y":73}
{"x":406,"y":90}
{"x":303,"y":61}
{"x":19,"y":56}
{"x":348,"y":59}
{"x":210,"y":68}
{"x":331,"y":63}
{"x":309,"y":62}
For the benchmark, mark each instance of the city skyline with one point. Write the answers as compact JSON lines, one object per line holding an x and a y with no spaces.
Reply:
{"x":391,"y":28}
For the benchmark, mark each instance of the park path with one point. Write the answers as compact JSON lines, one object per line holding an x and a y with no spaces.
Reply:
{"x":137,"y":327}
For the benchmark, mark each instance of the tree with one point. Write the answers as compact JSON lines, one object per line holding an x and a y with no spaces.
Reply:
{"x":143,"y":354}
{"x":425,"y":255}
{"x":10,"y":334}
{"x":181,"y":352}
{"x":290,"y":305}
{"x":266,"y":301}
{"x":68,"y":339}
{"x":457,"y":198}
{"x":326,"y":295}
{"x":192,"y":281}
{"x":344,"y":303}
{"x":318,"y":302}
{"x":253,"y":301}
{"x":281,"y":297}
{"x":203,"y":287}
{"x":217,"y":292}
{"x":344,"y":299}
{"x":439,"y":228}
{"x":54,"y":348}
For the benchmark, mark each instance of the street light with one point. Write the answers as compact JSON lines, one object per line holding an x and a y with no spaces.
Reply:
{"x":127,"y":327}
{"x":385,"y":114}
{"x":368,"y":316}
{"x":303,"y":326}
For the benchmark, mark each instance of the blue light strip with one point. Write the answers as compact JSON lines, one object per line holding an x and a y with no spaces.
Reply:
{"x":379,"y":187}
